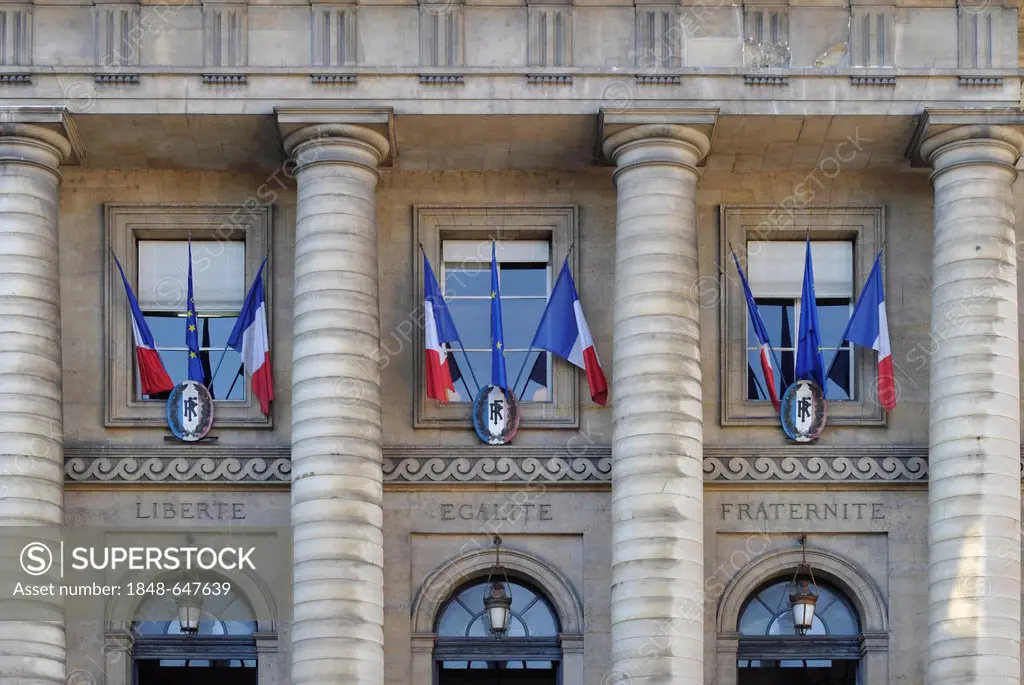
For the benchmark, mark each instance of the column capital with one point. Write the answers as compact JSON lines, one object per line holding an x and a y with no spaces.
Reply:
{"x":337,"y":144}
{"x":973,"y":144}
{"x":646,"y":121}
{"x":935,"y":125}
{"x":49,"y":128}
{"x":657,"y":144}
{"x":373,"y":126}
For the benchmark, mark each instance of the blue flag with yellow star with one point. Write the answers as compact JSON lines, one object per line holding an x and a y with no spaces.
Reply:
{"x":195,"y":363}
{"x":497,"y":337}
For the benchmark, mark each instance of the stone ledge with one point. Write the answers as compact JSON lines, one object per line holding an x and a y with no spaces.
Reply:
{"x":887,"y":81}
{"x":658,"y":79}
{"x":980,"y":81}
{"x":178,"y":469}
{"x":765,"y":80}
{"x":549,"y":79}
{"x":116,"y":79}
{"x":442,"y":79}
{"x":333,"y":79}
{"x":224,"y":79}
{"x":16,"y":79}
{"x":567,"y":463}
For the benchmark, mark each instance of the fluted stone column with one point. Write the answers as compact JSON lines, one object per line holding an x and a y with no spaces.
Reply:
{"x":338,"y":630}
{"x":657,"y":479}
{"x":974,"y":471}
{"x":31,"y":428}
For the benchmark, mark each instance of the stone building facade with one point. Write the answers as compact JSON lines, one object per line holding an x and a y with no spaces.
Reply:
{"x":642,"y":142}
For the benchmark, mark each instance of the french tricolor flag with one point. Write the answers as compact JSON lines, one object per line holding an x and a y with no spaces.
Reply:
{"x":762,"y":337}
{"x":151,"y":368}
{"x":438,"y":329}
{"x":869,"y":327}
{"x":563,"y":331}
{"x":249,"y":336}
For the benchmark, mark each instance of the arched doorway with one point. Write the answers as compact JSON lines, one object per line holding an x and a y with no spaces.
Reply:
{"x":466,"y":653}
{"x":772,"y":653}
{"x":221,"y":652}
{"x":844,"y":578}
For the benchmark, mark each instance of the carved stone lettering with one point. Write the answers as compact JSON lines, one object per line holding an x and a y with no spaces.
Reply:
{"x":802,"y":511}
{"x":191,"y":511}
{"x":496,"y":511}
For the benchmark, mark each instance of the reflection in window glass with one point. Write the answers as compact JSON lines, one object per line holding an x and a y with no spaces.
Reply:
{"x":168,"y":325}
{"x":781,"y":320}
{"x":515,"y":665}
{"x":769,"y":613}
{"x":524,"y":291}
{"x":464,"y":616}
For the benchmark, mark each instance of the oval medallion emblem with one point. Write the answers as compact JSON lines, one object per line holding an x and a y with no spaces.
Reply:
{"x":803,"y":411}
{"x":495,"y":415}
{"x":190,"y":411}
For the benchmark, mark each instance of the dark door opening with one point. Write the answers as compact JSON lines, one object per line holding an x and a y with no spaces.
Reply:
{"x":498,"y":673}
{"x":195,"y":672}
{"x":798,"y":672}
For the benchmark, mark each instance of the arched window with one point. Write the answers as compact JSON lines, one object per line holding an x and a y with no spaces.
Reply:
{"x":224,"y":645}
{"x":769,"y":641}
{"x":769,"y":613}
{"x":464,"y":641}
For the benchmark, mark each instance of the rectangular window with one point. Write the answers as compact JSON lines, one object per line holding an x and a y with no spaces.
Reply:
{"x":218,"y":284}
{"x":776,"y":280}
{"x":524,"y":278}
{"x":531,"y":243}
{"x":770,"y":245}
{"x":229,"y":243}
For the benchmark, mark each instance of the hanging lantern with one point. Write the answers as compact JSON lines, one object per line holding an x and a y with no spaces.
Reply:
{"x":497,"y":604}
{"x":189,"y":611}
{"x":803,"y":593}
{"x":498,"y":599}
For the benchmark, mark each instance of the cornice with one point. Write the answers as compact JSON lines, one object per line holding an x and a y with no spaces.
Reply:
{"x":568,"y":464}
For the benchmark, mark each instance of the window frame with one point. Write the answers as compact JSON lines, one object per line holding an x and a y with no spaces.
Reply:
{"x":864,"y":226}
{"x":125,"y":225}
{"x":752,"y":346}
{"x":810,"y":647}
{"x":513,"y":369}
{"x":557,"y":224}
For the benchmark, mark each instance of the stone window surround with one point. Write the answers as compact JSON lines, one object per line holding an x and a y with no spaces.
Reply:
{"x":125,"y":225}
{"x":865,"y":226}
{"x":118,"y":639}
{"x":557,"y":223}
{"x":438,"y":586}
{"x":857,"y":585}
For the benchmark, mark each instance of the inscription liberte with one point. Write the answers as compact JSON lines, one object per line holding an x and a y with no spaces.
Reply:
{"x":191,"y":511}
{"x":507,"y":511}
{"x":802,"y":511}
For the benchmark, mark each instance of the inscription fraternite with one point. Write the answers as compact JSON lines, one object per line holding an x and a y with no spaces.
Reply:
{"x":802,"y":511}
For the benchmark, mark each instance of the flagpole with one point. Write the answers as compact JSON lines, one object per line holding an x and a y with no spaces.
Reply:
{"x":839,"y":347}
{"x":771,"y":349}
{"x":461,"y":346}
{"x":266,"y":261}
{"x":241,"y":370}
{"x":221,"y":361}
{"x":775,"y":357}
{"x":756,"y":382}
{"x":523,"y":365}
{"x":527,"y":383}
{"x":465,"y":356}
{"x":462,"y":377}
